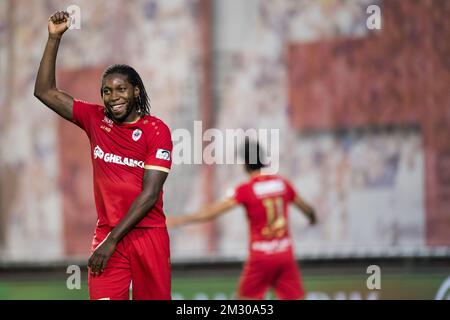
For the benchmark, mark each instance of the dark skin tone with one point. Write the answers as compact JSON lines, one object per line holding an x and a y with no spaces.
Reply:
{"x":45,"y":86}
{"x":119,"y":97}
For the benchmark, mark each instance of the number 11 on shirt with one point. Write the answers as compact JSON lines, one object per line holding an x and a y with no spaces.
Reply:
{"x":276,"y":223}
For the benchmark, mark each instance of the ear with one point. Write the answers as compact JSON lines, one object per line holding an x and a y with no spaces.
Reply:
{"x":137,"y":92}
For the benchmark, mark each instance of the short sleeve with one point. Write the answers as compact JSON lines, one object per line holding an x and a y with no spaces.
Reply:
{"x":83,"y":114}
{"x":239,"y":194}
{"x":159,"y":155}
{"x":291,"y":194}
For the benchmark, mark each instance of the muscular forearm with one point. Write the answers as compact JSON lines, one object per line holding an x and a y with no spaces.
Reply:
{"x":138,"y":210}
{"x":46,"y":75}
{"x":45,"y":87}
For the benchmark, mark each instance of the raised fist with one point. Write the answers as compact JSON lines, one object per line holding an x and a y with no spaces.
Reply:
{"x":58,"y":23}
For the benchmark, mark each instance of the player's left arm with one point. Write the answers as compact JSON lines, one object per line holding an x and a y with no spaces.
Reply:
{"x":305,"y":208}
{"x":152,"y":186}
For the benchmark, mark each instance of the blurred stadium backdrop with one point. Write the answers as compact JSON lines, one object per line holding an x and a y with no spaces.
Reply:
{"x":364,"y":120}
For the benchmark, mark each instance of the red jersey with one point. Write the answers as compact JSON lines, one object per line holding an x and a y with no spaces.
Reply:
{"x":266,"y":199}
{"x":120,"y":152}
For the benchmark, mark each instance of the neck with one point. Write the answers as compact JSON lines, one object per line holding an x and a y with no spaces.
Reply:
{"x":133,"y":119}
{"x":255,"y":174}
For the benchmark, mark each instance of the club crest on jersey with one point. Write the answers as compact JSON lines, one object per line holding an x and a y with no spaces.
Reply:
{"x":137,"y":134}
{"x":163,"y":154}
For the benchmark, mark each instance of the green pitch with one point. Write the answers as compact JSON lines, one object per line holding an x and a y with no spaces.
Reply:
{"x":418,"y":286}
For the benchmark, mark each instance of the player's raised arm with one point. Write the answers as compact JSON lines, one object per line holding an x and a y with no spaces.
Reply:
{"x":208,"y":213}
{"x":45,"y":87}
{"x":306,"y":209}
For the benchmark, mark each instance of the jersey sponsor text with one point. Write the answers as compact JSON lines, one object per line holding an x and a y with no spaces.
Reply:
{"x":113,"y":158}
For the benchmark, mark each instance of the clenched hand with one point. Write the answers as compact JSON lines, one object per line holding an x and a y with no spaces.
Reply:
{"x":58,"y":23}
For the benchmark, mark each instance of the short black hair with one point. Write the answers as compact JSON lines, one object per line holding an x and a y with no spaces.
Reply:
{"x":143,"y":101}
{"x":253,"y":155}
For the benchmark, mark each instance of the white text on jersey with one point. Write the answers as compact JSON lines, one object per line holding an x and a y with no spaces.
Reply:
{"x":112,"y":158}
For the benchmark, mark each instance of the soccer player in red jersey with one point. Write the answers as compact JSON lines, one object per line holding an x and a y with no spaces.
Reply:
{"x":131,"y":158}
{"x":271,"y":262}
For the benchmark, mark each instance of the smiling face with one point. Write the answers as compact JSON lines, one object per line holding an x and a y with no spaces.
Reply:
{"x":119,"y":97}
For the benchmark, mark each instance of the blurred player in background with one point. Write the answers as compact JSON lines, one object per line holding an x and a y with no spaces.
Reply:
{"x":131,"y":158}
{"x":271,"y":262}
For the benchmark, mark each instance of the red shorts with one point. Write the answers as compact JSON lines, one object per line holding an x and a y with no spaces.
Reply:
{"x":141,"y":258}
{"x":279,"y":271}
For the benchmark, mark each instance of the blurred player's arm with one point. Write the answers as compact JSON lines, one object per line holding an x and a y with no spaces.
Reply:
{"x":45,"y":87}
{"x":152,"y":186}
{"x":306,"y":209}
{"x":210,"y":212}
